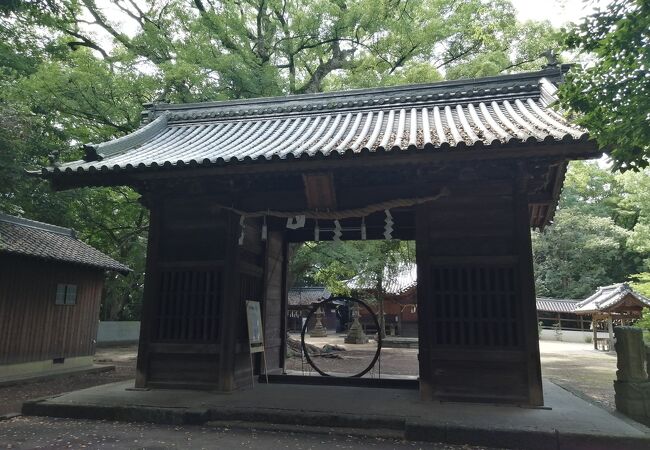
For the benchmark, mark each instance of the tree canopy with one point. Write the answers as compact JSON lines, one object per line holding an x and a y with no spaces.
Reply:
{"x":335,"y":264}
{"x":611,"y":95}
{"x":600,"y":235}
{"x":78,"y":71}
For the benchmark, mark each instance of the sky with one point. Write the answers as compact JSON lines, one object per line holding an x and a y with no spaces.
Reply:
{"x":558,"y":12}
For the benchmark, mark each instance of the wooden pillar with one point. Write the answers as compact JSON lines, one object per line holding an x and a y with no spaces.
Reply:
{"x":610,"y":329}
{"x":150,"y":296}
{"x":230,"y":308}
{"x":274,"y":321}
{"x":527,"y":297}
{"x":594,"y":326}
{"x":285,"y":302}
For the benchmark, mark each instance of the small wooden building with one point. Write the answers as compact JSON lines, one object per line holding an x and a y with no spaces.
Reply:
{"x":50,"y":292}
{"x":401,"y":311}
{"x":609,"y":305}
{"x":399,"y":297}
{"x":464,"y":168}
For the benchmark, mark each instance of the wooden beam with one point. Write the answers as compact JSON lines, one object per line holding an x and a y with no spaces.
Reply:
{"x":319,"y":190}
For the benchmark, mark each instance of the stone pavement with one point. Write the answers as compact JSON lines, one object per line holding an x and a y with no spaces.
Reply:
{"x":568,"y":423}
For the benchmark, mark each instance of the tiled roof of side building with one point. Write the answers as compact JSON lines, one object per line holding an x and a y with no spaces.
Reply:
{"x":305,"y":296}
{"x":30,"y":238}
{"x":608,"y":297}
{"x":490,"y":112}
{"x":559,"y":305}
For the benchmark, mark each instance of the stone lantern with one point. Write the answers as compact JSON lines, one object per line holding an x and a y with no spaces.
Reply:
{"x":356,"y":334}
{"x":319,"y":330}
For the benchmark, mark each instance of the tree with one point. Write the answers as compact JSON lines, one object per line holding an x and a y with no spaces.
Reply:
{"x":201,"y":49}
{"x":334,"y":264}
{"x":579,"y":253}
{"x":78,"y":71}
{"x":372,"y":264}
{"x":612,"y":95}
{"x":600,"y":233}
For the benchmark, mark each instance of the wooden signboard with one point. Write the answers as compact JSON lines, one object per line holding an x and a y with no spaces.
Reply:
{"x":255,"y":334}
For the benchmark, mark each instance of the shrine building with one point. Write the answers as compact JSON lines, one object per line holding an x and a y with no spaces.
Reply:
{"x":465,"y":168}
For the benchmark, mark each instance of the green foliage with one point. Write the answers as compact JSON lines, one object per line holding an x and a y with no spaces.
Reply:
{"x":527,"y":42}
{"x":579,"y":253}
{"x":644,"y":324}
{"x":334,"y":264}
{"x":641,"y":283}
{"x":600,"y":235}
{"x":612,"y":94}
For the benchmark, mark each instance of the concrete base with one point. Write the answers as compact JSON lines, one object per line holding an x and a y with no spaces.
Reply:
{"x":44,"y":368}
{"x":570,"y":423}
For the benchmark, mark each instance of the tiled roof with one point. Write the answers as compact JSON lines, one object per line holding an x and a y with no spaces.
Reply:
{"x":41,"y":240}
{"x":608,"y":297}
{"x":398,"y":283}
{"x":489,"y":112}
{"x":305,"y":296}
{"x":556,"y":305}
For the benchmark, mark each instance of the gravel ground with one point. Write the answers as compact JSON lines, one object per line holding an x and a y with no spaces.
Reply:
{"x":123,"y":358}
{"x":581,"y":369}
{"x":49,"y":433}
{"x":356,"y":357}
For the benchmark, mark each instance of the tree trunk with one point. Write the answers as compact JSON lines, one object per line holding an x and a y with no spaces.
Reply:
{"x":380,"y":299}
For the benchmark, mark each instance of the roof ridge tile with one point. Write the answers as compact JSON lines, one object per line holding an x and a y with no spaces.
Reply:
{"x":23,"y":222}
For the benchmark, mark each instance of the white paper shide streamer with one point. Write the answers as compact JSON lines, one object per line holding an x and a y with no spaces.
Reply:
{"x":242,"y":229}
{"x":265,"y":231}
{"x":293,"y":223}
{"x":337,"y":231}
{"x":388,"y":226}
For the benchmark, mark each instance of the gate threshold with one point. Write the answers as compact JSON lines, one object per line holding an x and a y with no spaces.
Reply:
{"x":317,"y":380}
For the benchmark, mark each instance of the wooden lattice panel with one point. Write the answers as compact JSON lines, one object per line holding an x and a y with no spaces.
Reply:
{"x":474,"y":306}
{"x":188,"y":307}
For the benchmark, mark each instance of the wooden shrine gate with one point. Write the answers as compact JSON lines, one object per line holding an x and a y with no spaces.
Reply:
{"x":464,"y":168}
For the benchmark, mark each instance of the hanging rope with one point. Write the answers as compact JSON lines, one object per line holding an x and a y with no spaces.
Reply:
{"x":343,"y":214}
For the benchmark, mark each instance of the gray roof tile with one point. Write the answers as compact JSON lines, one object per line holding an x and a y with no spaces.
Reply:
{"x":305,"y":296}
{"x":41,"y":240}
{"x":489,"y":112}
{"x":556,"y":305}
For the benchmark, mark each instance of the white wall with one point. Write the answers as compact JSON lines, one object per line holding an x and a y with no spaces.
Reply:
{"x":570,"y":335}
{"x":118,"y":332}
